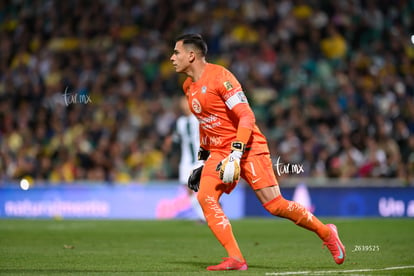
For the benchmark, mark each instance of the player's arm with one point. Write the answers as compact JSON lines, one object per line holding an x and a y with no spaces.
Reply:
{"x":172,"y":139}
{"x":246,"y":124}
{"x":229,"y":168}
{"x":236,"y":102}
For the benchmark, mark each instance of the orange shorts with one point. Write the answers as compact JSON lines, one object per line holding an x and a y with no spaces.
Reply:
{"x":256,"y":170}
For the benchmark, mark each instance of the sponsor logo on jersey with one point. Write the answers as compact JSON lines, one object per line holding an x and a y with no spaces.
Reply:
{"x":211,"y":140}
{"x":196,"y":106}
{"x":209,"y":119}
{"x":228,"y":85}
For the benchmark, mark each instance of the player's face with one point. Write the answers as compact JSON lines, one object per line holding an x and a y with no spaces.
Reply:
{"x":180,"y":57}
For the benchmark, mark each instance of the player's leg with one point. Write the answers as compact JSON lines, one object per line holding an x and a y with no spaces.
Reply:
{"x":294,"y":211}
{"x":211,"y":189}
{"x":281,"y":207}
{"x":258,"y":172}
{"x":184,"y":173}
{"x":196,"y":206}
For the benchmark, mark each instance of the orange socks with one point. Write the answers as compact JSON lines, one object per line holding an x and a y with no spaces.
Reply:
{"x":298,"y":214}
{"x":218,"y":223}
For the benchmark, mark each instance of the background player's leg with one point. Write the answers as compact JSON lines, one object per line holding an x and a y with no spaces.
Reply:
{"x":196,"y":206}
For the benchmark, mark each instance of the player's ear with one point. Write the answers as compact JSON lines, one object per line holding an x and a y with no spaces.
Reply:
{"x":191,"y":56}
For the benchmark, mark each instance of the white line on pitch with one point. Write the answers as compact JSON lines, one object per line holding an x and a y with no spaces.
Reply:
{"x":337,"y":271}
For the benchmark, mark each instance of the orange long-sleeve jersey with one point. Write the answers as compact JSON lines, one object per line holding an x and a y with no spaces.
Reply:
{"x":219,"y":103}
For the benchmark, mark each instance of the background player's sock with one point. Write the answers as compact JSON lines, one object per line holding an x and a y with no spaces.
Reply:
{"x":196,"y":207}
{"x":298,"y":214}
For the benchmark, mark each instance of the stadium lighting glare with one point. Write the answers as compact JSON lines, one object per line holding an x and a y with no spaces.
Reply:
{"x":24,"y":184}
{"x":412,"y":39}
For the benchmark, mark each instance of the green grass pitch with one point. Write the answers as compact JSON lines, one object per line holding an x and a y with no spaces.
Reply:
{"x":134,"y":247}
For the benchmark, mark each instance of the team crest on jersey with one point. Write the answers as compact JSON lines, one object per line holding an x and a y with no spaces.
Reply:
{"x":196,"y":106}
{"x":204,"y":89}
{"x":228,"y":85}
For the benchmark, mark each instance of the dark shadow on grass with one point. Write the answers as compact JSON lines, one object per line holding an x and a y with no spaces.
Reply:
{"x":192,"y":263}
{"x":196,"y":264}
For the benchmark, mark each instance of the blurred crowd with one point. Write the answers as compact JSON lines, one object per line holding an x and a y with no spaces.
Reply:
{"x":87,"y":90}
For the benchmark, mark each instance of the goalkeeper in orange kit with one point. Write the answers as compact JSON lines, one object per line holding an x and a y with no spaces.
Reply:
{"x":233,"y":146}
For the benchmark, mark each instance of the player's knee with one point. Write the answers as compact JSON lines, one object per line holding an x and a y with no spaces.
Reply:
{"x":273,"y":206}
{"x":203,"y":200}
{"x":208,"y":202}
{"x":200,"y":197}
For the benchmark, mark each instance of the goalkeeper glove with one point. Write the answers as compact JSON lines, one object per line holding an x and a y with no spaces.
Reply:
{"x":229,"y":167}
{"x":194,"y":179}
{"x":195,"y":176}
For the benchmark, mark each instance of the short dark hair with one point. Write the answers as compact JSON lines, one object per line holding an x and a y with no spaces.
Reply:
{"x":196,"y":40}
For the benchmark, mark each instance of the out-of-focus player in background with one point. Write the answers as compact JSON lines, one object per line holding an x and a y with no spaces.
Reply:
{"x":185,"y":135}
{"x":237,"y":149}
